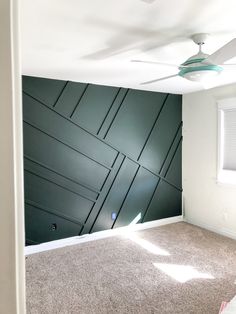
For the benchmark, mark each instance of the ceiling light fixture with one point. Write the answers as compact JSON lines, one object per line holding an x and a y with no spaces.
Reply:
{"x":194,"y":69}
{"x":199,"y":73}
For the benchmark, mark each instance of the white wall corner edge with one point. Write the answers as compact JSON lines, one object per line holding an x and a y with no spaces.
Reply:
{"x":32,"y":249}
{"x":216,"y":229}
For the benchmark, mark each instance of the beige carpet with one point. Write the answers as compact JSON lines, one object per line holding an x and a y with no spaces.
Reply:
{"x":178,"y":268}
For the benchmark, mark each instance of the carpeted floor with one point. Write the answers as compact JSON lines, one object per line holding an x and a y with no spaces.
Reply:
{"x":173,"y":269}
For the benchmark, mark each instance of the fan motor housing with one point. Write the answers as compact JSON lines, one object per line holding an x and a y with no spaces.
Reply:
{"x":194,"y":68}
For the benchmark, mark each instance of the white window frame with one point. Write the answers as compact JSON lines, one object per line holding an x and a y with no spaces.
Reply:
{"x":224,"y":176}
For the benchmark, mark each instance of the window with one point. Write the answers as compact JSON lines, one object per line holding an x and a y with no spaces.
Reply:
{"x":227,"y":141}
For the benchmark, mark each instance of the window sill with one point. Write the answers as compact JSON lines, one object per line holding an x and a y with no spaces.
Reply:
{"x":226,"y":177}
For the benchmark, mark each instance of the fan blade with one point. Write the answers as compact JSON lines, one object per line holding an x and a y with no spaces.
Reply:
{"x":223,"y":54}
{"x":227,"y":65}
{"x":160,"y":79}
{"x":155,"y":62}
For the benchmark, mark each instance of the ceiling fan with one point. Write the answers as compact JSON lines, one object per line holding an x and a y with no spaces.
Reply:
{"x":201,"y":66}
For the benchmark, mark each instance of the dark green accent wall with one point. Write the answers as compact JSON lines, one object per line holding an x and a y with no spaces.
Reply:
{"x":91,"y":151}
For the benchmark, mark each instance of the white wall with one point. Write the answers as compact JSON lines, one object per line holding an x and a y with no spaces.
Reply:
{"x":12,"y":280}
{"x":206,"y":203}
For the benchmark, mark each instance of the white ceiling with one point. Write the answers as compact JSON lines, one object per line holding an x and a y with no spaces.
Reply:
{"x":94,"y":40}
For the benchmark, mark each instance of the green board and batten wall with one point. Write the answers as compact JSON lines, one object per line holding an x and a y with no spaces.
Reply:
{"x":97,"y":157}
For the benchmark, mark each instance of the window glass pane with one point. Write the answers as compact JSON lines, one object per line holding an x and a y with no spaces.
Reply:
{"x":229,"y":140}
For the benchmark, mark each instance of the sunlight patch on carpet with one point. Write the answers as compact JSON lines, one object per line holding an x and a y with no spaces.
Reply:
{"x":145,"y":244}
{"x":182,"y":273}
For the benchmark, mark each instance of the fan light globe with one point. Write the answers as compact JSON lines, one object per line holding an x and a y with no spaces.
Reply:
{"x":194,"y":69}
{"x":199,"y":76}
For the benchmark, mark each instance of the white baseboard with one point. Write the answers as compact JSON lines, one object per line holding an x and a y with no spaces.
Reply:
{"x":32,"y":249}
{"x":222,"y":231}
